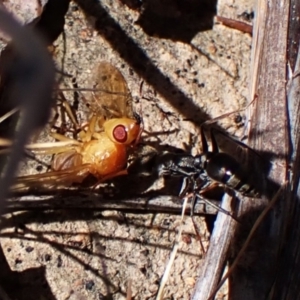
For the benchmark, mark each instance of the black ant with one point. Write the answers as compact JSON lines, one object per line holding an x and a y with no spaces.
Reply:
{"x":200,"y":171}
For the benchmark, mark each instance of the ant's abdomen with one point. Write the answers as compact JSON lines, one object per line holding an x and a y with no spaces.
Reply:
{"x":223,"y":168}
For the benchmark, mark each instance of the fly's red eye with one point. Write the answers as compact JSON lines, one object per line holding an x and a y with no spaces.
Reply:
{"x":120,"y":134}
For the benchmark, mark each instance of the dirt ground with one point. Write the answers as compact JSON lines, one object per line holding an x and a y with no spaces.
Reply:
{"x":180,"y":72}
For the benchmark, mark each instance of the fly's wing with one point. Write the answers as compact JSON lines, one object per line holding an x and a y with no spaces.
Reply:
{"x":52,"y":180}
{"x":111,"y":97}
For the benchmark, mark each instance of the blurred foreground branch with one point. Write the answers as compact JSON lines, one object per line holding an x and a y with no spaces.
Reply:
{"x":32,"y":71}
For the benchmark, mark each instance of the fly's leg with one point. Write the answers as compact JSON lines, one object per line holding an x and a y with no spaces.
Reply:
{"x":63,"y":109}
{"x":108,"y":177}
{"x":86,"y":135}
{"x":69,"y":111}
{"x":66,"y":150}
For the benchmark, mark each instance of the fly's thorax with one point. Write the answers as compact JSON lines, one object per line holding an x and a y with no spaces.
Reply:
{"x":104,"y":156}
{"x":122,"y":130}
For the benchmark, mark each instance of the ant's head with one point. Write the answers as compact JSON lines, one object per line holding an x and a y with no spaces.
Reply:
{"x":164,"y":164}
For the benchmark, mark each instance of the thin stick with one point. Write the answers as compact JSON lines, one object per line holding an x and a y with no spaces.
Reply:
{"x":8,"y":114}
{"x":235,"y":24}
{"x":173,"y":253}
{"x":129,"y":290}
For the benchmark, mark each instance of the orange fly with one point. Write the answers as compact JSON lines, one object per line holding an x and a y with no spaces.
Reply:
{"x":101,"y":148}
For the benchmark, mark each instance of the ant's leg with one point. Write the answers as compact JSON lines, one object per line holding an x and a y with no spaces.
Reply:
{"x":214,"y":120}
{"x":193,"y":203}
{"x":186,"y":184}
{"x":190,"y":183}
{"x":217,"y":207}
{"x":205,"y":184}
{"x":184,"y":187}
{"x":203,"y":140}
{"x":215,"y":147}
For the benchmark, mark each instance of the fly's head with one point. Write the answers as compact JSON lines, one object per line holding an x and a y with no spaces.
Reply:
{"x":123,"y":130}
